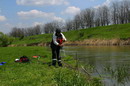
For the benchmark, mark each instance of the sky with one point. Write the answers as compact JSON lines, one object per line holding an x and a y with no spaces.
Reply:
{"x":28,"y":13}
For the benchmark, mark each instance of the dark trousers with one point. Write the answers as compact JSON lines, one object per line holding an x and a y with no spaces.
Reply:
{"x":56,"y":54}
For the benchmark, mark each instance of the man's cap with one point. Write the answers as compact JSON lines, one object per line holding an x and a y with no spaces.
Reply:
{"x":58,"y":31}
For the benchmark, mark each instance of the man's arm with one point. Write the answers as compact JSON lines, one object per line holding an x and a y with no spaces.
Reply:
{"x":63,"y":37}
{"x":54,"y":39}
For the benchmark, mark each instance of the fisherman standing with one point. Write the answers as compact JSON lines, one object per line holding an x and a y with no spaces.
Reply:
{"x":56,"y":45}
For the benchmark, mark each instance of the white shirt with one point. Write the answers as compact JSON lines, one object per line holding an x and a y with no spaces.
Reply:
{"x":54,"y":38}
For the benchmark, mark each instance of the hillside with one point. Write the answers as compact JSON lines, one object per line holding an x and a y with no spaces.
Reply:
{"x":105,"y":35}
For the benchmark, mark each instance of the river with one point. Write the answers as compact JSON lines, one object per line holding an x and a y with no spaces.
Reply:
{"x":116,"y":58}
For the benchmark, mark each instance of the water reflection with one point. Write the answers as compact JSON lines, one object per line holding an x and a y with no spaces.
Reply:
{"x":101,"y":56}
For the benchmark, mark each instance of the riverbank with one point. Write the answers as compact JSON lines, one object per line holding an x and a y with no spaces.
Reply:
{"x":115,"y":42}
{"x":87,"y":42}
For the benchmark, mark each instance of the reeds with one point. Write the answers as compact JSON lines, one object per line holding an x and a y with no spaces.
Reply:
{"x":74,"y":78}
{"x":121,"y":73}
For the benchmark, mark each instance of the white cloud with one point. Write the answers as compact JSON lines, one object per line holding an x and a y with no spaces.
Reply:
{"x":2,"y":18}
{"x":107,"y":3}
{"x":58,"y":19}
{"x":5,"y":27}
{"x":37,"y":23}
{"x":34,"y":14}
{"x":42,"y":2}
{"x":96,"y":7}
{"x":39,"y":14}
{"x":8,"y":25}
{"x":24,"y":24}
{"x":72,"y":10}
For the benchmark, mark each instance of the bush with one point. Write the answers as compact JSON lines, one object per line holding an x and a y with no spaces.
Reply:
{"x":5,"y":40}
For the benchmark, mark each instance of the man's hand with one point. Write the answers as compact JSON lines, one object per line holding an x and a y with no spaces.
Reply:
{"x":64,"y":40}
{"x":61,"y":45}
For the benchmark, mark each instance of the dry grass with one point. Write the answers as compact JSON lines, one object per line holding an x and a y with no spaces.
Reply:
{"x":99,"y":42}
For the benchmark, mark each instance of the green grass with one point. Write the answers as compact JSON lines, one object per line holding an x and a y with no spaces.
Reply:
{"x":121,"y":31}
{"x":34,"y":39}
{"x":18,"y":74}
{"x":37,"y":72}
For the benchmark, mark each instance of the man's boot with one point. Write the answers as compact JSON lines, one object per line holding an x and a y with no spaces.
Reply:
{"x":54,"y":63}
{"x":59,"y":63}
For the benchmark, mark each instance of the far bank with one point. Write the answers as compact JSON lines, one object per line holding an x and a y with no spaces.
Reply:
{"x":105,"y":35}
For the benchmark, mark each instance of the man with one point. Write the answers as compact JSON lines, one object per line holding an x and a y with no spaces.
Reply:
{"x":56,"y":45}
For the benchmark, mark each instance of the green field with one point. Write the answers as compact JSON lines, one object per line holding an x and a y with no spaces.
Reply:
{"x":121,"y":31}
{"x":37,"y":72}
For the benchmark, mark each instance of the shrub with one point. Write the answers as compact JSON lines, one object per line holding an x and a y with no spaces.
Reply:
{"x":5,"y":40}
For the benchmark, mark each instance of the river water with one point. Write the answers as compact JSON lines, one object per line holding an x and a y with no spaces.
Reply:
{"x":101,"y":57}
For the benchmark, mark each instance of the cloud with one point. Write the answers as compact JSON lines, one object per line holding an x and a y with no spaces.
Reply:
{"x":72,"y":10}
{"x":106,"y":3}
{"x":38,"y":14}
{"x":2,"y":18}
{"x":34,"y":14}
{"x":5,"y":27}
{"x":37,"y":23}
{"x":42,"y":2}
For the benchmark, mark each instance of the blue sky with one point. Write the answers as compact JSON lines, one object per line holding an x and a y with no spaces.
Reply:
{"x":27,"y":13}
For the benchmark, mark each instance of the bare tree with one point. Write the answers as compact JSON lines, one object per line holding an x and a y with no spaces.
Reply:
{"x":120,"y":12}
{"x":52,"y":26}
{"x":129,"y":16}
{"x":97,"y":17}
{"x":77,"y":22}
{"x":17,"y":32}
{"x":115,"y":12}
{"x":102,"y":16}
{"x":47,"y":28}
{"x":37,"y":30}
{"x":106,"y":14}
{"x":69,"y":25}
{"x":30,"y":31}
{"x":124,"y":11}
{"x":88,"y":16}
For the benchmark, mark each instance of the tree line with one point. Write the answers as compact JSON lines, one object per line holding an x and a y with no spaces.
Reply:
{"x":117,"y":13}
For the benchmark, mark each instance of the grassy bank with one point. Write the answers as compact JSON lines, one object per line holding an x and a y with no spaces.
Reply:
{"x":105,"y":32}
{"x":119,"y":34}
{"x":37,"y":72}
